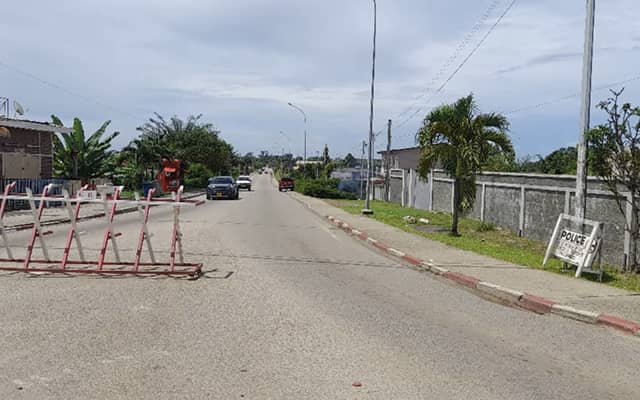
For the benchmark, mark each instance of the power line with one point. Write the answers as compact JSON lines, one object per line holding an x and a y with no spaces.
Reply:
{"x":67,"y":91}
{"x":462,"y":64}
{"x":476,"y":27}
{"x":571,"y":96}
{"x":461,"y":46}
{"x":455,"y":72}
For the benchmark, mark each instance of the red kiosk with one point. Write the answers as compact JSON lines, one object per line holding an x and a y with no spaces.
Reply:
{"x":170,"y":175}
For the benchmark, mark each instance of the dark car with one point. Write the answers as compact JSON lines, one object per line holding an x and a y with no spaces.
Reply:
{"x":285,"y":184}
{"x":222,"y":187}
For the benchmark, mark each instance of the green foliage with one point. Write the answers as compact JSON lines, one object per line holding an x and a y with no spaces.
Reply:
{"x":322,"y":188}
{"x":197,"y":176}
{"x":325,"y":155}
{"x":616,"y":159}
{"x":350,"y":161}
{"x":191,"y":141}
{"x":78,"y":157}
{"x":486,"y":227}
{"x":461,"y":141}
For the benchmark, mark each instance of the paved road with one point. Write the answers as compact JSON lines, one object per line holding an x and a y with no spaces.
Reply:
{"x":290,"y":308}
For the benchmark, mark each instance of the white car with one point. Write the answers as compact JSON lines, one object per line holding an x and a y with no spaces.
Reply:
{"x":244,"y":182}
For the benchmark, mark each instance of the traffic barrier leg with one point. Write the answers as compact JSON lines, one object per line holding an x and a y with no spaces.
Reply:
{"x":7,"y":189}
{"x":109,"y":235}
{"x":37,"y":232}
{"x":144,"y":231}
{"x":73,"y":229}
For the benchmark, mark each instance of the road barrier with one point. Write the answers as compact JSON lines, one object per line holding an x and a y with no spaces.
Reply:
{"x":109,"y":197}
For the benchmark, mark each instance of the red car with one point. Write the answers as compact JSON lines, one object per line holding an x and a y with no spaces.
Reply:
{"x":285,"y":184}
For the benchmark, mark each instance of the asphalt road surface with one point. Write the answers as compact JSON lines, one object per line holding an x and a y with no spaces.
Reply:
{"x":289,"y":308}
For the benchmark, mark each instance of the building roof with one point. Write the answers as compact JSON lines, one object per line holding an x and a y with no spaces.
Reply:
{"x":414,"y":148}
{"x":33,"y":125}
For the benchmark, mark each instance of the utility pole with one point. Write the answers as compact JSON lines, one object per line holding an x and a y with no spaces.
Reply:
{"x":367,"y":210}
{"x":585,"y":112}
{"x":364,"y":147}
{"x":387,"y":166}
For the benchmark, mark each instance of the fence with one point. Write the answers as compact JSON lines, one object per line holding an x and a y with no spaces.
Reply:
{"x":528,"y":204}
{"x":38,"y":185}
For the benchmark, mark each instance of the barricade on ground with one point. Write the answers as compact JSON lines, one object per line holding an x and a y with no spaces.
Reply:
{"x":109,"y":197}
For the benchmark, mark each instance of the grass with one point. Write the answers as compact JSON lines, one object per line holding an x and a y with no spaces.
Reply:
{"x":484,"y":238}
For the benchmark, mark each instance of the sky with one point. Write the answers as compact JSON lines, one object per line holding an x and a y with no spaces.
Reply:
{"x":238,"y":63}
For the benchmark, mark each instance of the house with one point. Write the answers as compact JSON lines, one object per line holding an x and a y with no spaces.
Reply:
{"x":406,"y":158}
{"x":26,"y":148}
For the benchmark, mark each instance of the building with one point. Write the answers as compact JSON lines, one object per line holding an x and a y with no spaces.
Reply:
{"x":406,"y":158}
{"x":26,"y":148}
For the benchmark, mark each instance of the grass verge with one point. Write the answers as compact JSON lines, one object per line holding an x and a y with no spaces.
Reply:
{"x":483,"y":239}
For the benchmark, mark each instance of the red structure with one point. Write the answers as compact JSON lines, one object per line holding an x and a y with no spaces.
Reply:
{"x":175,"y":266}
{"x":170,"y":175}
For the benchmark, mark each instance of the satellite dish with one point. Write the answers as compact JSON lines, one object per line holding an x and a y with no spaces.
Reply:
{"x":18,"y":108}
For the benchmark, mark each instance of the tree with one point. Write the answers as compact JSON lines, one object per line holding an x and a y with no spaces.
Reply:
{"x":457,"y":138}
{"x":350,"y":161}
{"x":562,"y":161}
{"x":78,"y":157}
{"x":190,"y":140}
{"x":616,"y":159}
{"x":197,"y":176}
{"x":325,"y":156}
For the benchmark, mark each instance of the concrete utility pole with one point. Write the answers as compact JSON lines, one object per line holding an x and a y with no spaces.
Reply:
{"x":387,"y":177}
{"x":585,"y":112}
{"x":367,"y":210}
{"x":364,"y":147}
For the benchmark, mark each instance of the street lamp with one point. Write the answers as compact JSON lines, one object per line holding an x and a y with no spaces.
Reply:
{"x":305,"y":129}
{"x":367,"y":210}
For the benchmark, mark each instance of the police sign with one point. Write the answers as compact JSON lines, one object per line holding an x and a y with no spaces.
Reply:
{"x":573,"y":247}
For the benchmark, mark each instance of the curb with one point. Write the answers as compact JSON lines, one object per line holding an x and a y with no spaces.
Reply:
{"x":536,"y":304}
{"x":620,"y":324}
{"x":22,"y":227}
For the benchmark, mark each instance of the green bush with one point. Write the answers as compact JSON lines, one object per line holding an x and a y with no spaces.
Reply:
{"x":486,"y":227}
{"x":322,"y":188}
{"x":197,"y":176}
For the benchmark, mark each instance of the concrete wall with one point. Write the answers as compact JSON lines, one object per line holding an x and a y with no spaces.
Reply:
{"x":527,"y":204}
{"x":395,"y":190}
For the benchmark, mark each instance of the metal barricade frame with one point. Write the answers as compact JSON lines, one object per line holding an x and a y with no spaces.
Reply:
{"x":99,"y":266}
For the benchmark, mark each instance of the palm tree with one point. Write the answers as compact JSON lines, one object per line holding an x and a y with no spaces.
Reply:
{"x":78,"y":157}
{"x":458,"y":139}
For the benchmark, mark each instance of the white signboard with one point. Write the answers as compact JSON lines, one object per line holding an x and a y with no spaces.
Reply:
{"x":576,"y":248}
{"x":88,"y":194}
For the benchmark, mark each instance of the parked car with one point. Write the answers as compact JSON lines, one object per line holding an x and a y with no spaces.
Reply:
{"x":222,"y":187}
{"x":285,"y":184}
{"x":244,"y":182}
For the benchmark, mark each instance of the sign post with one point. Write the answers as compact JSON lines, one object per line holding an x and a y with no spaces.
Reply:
{"x":575,"y":248}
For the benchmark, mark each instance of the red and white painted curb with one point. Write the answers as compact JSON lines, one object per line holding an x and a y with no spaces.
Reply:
{"x":526,"y":301}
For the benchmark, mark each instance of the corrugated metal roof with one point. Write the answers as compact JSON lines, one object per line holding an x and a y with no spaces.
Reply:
{"x":33,"y":125}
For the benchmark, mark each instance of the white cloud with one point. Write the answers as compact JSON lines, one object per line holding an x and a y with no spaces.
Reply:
{"x":239,"y":63}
